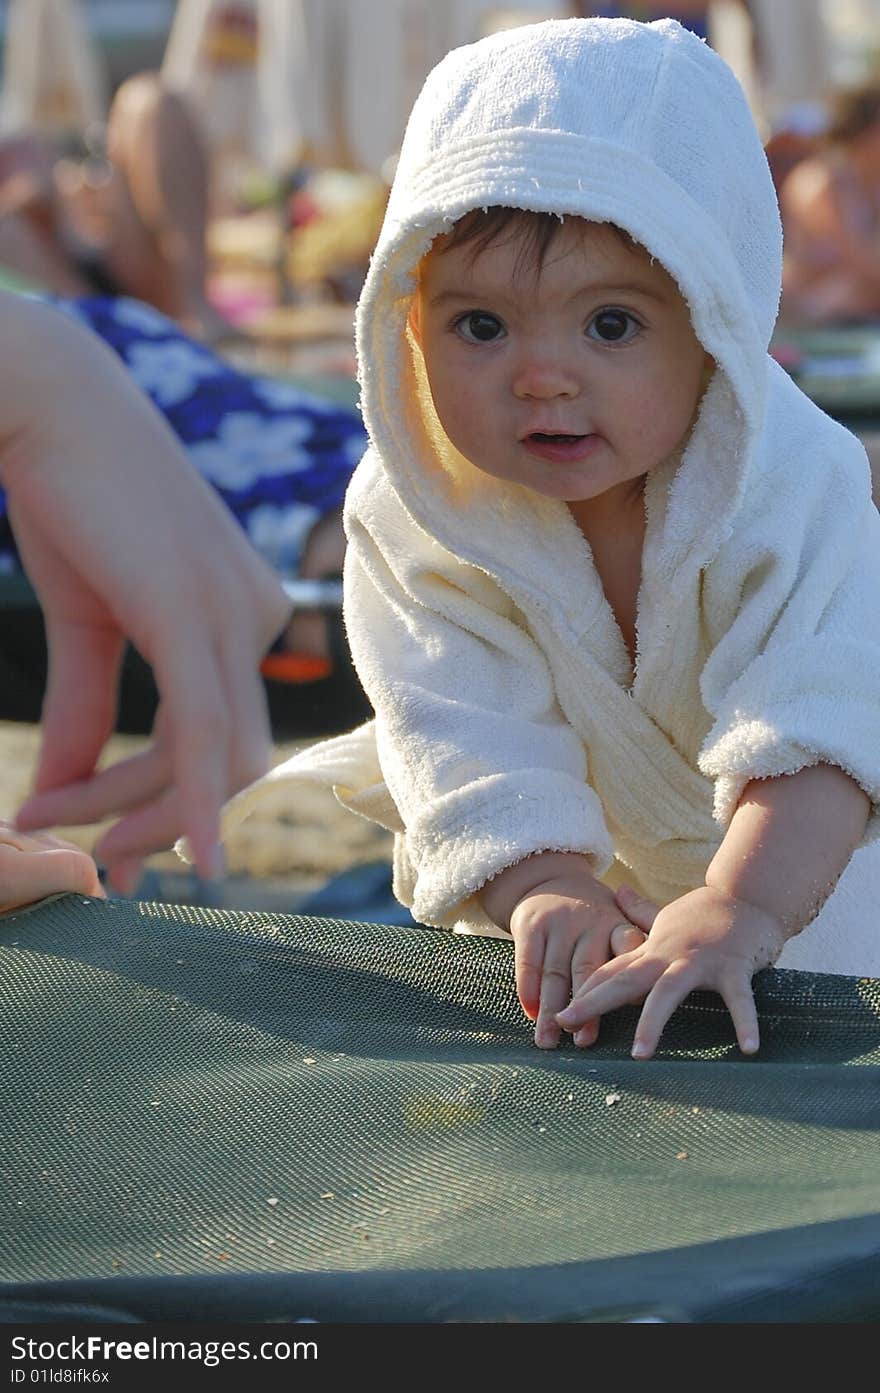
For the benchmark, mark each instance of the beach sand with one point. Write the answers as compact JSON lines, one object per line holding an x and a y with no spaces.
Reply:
{"x":298,"y":838}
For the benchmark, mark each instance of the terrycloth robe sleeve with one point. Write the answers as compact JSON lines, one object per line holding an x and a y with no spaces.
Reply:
{"x":480,"y":762}
{"x":794,"y":676}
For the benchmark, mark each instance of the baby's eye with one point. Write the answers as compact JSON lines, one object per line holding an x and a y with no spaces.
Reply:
{"x":613,"y":326}
{"x":479,"y":326}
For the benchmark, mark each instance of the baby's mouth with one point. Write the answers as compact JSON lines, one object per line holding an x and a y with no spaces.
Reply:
{"x":560,"y":447}
{"x":543,"y":437}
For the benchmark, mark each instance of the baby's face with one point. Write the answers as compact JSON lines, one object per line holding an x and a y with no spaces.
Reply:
{"x":574,"y":381}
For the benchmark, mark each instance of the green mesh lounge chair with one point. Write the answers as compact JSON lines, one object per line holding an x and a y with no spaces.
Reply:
{"x":211,"y":1115}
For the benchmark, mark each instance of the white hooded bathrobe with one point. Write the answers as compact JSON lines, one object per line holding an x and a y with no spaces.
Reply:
{"x":508,"y":717}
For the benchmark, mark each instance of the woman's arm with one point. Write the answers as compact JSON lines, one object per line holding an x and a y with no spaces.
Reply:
{"x":122,"y":540}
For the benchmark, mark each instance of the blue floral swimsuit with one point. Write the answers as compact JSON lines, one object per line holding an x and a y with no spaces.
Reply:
{"x":279,"y":457}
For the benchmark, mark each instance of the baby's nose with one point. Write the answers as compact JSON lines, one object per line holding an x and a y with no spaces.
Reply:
{"x":543,"y":375}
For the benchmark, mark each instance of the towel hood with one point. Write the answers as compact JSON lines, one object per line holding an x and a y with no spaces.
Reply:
{"x":640,"y":125}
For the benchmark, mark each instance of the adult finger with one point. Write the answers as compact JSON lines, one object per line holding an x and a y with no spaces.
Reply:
{"x":124,"y":876}
{"x":250,"y":750}
{"x":79,"y":707}
{"x":220,"y":740}
{"x":127,"y":784}
{"x":191,"y":804}
{"x":151,"y":827}
{"x":26,"y":876}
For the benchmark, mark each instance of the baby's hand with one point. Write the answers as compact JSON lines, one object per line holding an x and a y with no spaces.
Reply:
{"x":563,"y":930}
{"x":705,"y":939}
{"x":33,"y":865}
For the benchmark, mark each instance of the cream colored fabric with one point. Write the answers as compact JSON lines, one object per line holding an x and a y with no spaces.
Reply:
{"x":212,"y":58}
{"x":507,"y":717}
{"x":54,"y":77}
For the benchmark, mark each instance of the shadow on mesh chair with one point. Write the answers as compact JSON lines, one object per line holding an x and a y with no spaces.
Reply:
{"x":232,"y":1116}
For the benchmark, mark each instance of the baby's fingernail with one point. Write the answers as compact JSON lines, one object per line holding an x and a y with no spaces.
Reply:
{"x":640,"y":1050}
{"x":749,"y":1045}
{"x":585,"y":1037}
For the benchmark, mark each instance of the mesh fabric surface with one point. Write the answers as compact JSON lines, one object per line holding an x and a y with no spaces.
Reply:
{"x":211,"y":1114}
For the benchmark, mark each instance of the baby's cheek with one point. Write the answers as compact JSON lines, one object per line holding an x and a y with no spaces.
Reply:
{"x":664,"y":416}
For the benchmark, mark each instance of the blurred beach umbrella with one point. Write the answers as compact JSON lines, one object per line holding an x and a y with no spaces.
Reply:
{"x":369,"y":61}
{"x":795,"y":57}
{"x":54,"y":80}
{"x":363,"y":78}
{"x":211,"y":56}
{"x":276,"y":82}
{"x":323,"y":82}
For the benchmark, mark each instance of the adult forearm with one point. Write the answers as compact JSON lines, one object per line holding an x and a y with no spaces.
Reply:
{"x":789,"y":841}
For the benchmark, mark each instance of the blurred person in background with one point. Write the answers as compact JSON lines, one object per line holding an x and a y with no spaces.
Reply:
{"x":796,"y":134}
{"x":129,"y":219}
{"x":830,"y":204}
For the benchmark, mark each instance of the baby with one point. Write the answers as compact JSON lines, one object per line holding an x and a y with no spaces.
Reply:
{"x":613,"y":582}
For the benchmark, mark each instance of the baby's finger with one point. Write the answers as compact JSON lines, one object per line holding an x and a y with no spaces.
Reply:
{"x":583,"y":964}
{"x":637,"y":909}
{"x":740,"y":1002}
{"x":619,"y":983}
{"x":528,"y":961}
{"x":625,"y":938}
{"x":668,"y":992}
{"x":555,"y":993}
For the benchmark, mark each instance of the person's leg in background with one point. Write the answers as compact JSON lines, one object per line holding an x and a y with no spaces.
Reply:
{"x":150,"y":216}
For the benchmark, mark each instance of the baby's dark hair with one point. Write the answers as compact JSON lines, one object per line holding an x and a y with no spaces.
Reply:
{"x":483,"y":227}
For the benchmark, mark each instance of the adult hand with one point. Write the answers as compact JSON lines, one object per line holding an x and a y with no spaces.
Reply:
{"x":122,"y":539}
{"x":32,"y":867}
